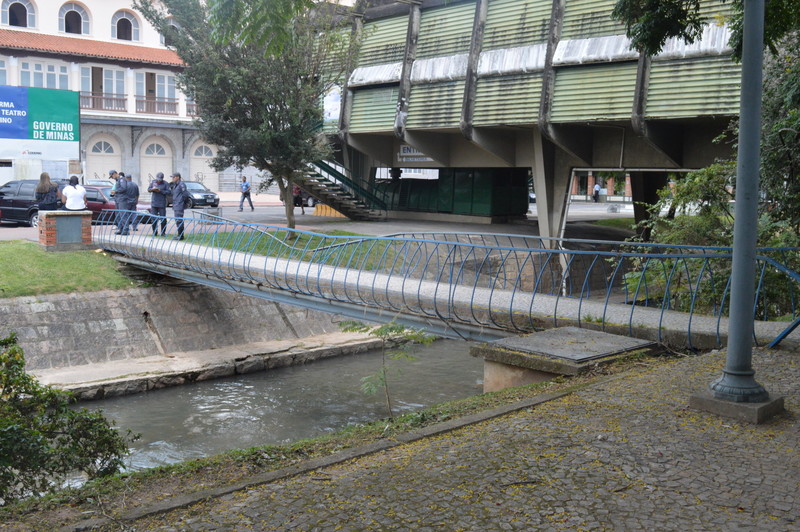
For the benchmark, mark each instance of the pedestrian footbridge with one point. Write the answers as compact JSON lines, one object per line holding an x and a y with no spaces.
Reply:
{"x":478,"y":286}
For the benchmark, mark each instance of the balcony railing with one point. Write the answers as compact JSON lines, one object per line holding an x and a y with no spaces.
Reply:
{"x":104,"y":101}
{"x":191,"y":109}
{"x":157,"y":106}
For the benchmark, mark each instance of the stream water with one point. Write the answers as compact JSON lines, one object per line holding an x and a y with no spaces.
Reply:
{"x":287,"y":404}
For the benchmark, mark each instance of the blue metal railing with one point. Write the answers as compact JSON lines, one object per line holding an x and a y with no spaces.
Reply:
{"x":505,"y":282}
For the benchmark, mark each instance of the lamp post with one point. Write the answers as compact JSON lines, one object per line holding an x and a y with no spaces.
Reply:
{"x":737,"y":382}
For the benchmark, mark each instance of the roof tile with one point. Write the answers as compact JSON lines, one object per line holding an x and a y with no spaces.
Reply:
{"x":41,"y":42}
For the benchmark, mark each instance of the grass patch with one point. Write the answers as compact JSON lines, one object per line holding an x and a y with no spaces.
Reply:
{"x":326,"y":248}
{"x":628,"y":224}
{"x":120,"y":494}
{"x":27,"y":270}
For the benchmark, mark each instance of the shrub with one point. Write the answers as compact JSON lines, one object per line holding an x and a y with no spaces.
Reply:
{"x":43,"y":439}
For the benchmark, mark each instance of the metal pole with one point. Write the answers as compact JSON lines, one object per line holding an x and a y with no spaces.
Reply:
{"x":737,"y":382}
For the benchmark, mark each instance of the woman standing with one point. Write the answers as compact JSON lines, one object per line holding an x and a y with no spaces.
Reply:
{"x":74,"y":196}
{"x":47,"y":193}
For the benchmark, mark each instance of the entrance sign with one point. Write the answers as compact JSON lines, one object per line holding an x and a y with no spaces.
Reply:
{"x":39,"y":124}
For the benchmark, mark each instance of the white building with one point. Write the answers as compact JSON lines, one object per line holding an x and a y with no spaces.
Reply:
{"x":133,"y":118}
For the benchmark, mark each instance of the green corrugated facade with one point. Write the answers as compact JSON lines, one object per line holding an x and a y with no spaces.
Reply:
{"x":445,"y":30}
{"x":589,"y":18}
{"x":384,"y":41}
{"x":373,"y":109}
{"x":705,"y":86}
{"x":511,"y":23}
{"x":508,"y":99}
{"x":436,"y":105}
{"x":594,"y":92}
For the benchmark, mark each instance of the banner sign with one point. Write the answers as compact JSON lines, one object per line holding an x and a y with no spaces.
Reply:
{"x":39,"y":123}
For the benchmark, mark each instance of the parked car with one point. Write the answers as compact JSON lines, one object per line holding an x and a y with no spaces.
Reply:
{"x":100,"y":202}
{"x":18,"y":201}
{"x":199,"y":195}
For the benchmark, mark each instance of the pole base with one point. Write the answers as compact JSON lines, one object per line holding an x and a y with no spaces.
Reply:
{"x":739,"y":389}
{"x":754,"y":413}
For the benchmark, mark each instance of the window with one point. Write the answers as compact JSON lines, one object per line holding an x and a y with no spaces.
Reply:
{"x":203,"y":151}
{"x":103,"y":147}
{"x":72,"y":18}
{"x":155,"y":149}
{"x":20,"y":13}
{"x":44,"y":76}
{"x":86,"y":79}
{"x":124,"y":26}
{"x":3,"y":78}
{"x":114,"y":82}
{"x":165,"y":86}
{"x":168,"y":38}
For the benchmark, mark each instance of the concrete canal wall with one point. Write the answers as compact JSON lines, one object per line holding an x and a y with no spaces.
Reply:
{"x":67,"y":330}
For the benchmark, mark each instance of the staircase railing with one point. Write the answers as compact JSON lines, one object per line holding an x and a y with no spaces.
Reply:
{"x":359,"y":192}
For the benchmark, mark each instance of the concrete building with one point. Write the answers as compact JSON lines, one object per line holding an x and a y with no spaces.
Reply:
{"x":133,"y":116}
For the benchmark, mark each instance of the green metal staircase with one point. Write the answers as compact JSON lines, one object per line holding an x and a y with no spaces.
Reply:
{"x":335,"y":189}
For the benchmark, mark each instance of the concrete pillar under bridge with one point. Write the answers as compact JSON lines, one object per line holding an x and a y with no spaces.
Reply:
{"x":552,"y":175}
{"x":644,"y":189}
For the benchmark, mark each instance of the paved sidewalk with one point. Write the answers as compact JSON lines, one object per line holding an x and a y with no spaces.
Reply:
{"x":622,"y":454}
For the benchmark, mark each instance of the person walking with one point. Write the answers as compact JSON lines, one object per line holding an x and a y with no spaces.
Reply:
{"x":596,"y":193}
{"x":74,"y":196}
{"x":159,"y":190}
{"x":47,"y":194}
{"x":297,"y":198}
{"x":179,"y":197}
{"x":133,"y":200}
{"x":245,"y":194}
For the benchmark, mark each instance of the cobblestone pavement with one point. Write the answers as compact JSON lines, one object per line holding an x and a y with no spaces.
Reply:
{"x":623,"y":454}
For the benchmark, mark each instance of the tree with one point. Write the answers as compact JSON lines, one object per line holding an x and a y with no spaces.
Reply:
{"x":263,"y":22}
{"x":262,"y":109}
{"x":43,"y":439}
{"x":650,"y":23}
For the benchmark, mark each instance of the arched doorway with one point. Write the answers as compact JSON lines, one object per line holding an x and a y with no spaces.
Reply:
{"x":155,"y":156}
{"x":200,"y":169}
{"x":103,"y":153}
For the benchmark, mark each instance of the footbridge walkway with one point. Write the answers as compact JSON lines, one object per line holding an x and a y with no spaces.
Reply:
{"x":473,"y":285}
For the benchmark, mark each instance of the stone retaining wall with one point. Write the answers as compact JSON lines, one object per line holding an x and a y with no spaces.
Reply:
{"x":64,"y":330}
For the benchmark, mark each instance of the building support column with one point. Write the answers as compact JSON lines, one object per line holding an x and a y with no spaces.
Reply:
{"x":552,"y":170}
{"x":644,"y":190}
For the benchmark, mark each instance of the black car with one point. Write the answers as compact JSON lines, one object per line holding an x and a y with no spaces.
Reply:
{"x":199,"y":195}
{"x":18,"y":201}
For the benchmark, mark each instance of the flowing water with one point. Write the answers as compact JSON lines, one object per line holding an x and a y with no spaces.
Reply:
{"x":287,"y":404}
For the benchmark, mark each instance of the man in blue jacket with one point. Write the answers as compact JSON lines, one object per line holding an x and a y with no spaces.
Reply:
{"x":159,"y":189}
{"x":179,"y":197}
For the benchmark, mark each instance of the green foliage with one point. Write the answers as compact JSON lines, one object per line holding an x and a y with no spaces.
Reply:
{"x":650,"y":23}
{"x":402,"y":340}
{"x":42,"y":439}
{"x":260,"y":22}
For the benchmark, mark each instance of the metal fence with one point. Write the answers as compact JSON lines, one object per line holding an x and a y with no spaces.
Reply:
{"x":505,"y":282}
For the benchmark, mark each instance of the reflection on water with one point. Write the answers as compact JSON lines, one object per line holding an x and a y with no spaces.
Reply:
{"x":288,"y":404}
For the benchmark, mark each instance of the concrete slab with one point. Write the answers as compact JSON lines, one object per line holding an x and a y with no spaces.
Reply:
{"x":544,"y":355}
{"x":573,"y":344}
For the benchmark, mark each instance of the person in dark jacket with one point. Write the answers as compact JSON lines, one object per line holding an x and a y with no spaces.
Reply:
{"x":179,"y":197}
{"x":47,"y":193}
{"x":159,"y":190}
{"x":133,"y":200}
{"x":120,"y":193}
